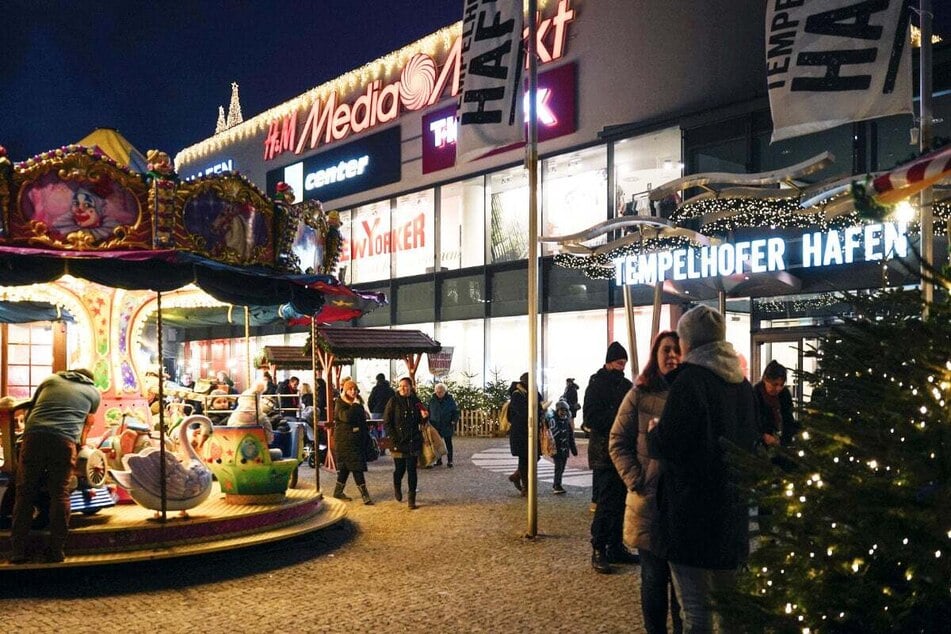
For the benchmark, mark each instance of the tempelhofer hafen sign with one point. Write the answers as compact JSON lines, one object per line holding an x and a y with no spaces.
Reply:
{"x":421,"y":84}
{"x":862,"y":243}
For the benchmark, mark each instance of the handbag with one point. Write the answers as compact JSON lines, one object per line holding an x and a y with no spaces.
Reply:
{"x":549,"y":448}
{"x":371,"y":448}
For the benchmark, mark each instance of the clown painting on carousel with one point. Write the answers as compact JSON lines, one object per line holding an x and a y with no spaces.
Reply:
{"x":86,"y":212}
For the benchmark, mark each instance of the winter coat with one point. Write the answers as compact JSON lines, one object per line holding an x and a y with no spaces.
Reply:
{"x":628,"y":448}
{"x":443,"y":414}
{"x":518,"y":417}
{"x":570,"y":396}
{"x":704,"y":519}
{"x":350,"y":435}
{"x":563,"y":432}
{"x":380,"y":395}
{"x":602,"y":398}
{"x":766,"y":415}
{"x":401,"y":419}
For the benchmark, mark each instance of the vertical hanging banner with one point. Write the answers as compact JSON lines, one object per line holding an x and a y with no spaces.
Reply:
{"x":490,"y":100}
{"x":831,"y":62}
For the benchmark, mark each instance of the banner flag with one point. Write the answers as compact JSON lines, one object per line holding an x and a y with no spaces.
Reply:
{"x":832,"y":62}
{"x":490,"y":101}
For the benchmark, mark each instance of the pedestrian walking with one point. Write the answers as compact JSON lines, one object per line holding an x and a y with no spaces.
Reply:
{"x":518,"y":434}
{"x":703,"y":517}
{"x":628,"y":449}
{"x":443,"y":415}
{"x":351,"y":438}
{"x":402,"y":417}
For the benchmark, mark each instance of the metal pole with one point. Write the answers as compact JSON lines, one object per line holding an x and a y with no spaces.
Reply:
{"x":631,"y":330}
{"x":655,"y":316}
{"x":721,"y":302}
{"x":532,"y":160}
{"x":161,"y":401}
{"x":924,"y":144}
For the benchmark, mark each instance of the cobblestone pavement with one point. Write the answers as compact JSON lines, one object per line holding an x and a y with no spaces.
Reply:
{"x":459,"y":563}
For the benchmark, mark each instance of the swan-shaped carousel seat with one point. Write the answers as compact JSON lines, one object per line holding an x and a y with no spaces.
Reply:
{"x":188,"y":480}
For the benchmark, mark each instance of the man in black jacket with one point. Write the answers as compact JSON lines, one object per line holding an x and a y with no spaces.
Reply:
{"x":602,"y":398}
{"x":380,"y":395}
{"x":703,"y":517}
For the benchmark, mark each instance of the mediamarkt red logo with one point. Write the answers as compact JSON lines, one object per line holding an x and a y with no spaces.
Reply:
{"x":420,"y":85}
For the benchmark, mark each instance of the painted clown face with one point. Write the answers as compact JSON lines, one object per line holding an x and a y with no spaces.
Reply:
{"x":86,"y":209}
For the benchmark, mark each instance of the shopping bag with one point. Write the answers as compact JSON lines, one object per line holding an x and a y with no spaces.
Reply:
{"x":549,"y":448}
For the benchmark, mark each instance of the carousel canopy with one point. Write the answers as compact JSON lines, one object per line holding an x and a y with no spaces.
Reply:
{"x":166,"y":270}
{"x":111,"y":142}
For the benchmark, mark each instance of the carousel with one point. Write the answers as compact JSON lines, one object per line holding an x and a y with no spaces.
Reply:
{"x":98,"y":248}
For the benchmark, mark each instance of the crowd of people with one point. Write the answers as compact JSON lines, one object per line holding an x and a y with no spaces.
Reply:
{"x":664,"y":495}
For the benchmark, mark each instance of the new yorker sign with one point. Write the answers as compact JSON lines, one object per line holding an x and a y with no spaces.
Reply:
{"x":863,"y":243}
{"x":419,"y":86}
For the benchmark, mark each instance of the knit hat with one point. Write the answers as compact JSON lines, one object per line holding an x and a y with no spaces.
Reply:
{"x":699,"y":326}
{"x":523,"y":379}
{"x":615,"y":351}
{"x":562,"y":404}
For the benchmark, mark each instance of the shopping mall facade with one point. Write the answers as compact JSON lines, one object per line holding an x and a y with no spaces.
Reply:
{"x":631,"y":95}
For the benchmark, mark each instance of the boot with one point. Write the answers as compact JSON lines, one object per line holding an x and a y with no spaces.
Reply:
{"x":397,"y":490}
{"x":338,"y":492}
{"x":412,"y":501}
{"x":365,"y":494}
{"x":599,"y":561}
{"x":619,"y":554}
{"x":516,"y":479}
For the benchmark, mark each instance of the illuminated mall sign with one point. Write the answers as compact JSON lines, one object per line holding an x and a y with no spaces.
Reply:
{"x":868,"y":243}
{"x":362,"y":164}
{"x":422,"y":82}
{"x":217,"y":168}
{"x":556,"y":105}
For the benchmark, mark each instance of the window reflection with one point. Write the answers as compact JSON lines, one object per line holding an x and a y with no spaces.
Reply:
{"x":462,"y":224}
{"x":508,"y":203}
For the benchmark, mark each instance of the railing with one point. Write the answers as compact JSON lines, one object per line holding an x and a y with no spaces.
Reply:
{"x":478,"y":423}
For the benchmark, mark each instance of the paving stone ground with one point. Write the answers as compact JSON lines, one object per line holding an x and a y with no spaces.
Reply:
{"x":461,"y":562}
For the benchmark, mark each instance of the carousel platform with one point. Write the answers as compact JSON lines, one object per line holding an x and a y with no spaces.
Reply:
{"x":128,"y":533}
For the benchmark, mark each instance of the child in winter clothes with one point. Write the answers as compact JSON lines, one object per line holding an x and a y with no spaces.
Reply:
{"x":562,"y":429}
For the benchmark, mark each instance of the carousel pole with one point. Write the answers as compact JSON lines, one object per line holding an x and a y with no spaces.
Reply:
{"x":247,"y":347}
{"x":314,"y":421}
{"x":161,"y":401}
{"x":924,"y":145}
{"x":532,"y":161}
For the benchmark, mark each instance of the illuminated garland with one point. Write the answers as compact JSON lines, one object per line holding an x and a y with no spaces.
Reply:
{"x":783,"y":213}
{"x":601,"y":266}
{"x":786,"y":307}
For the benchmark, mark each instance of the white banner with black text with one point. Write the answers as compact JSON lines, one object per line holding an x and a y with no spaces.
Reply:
{"x":832,"y":62}
{"x":490,"y":101}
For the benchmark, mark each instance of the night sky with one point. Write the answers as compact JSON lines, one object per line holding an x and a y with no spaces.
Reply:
{"x":158,"y":70}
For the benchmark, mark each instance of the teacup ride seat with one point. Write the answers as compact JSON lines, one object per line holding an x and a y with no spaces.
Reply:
{"x":247,"y":470}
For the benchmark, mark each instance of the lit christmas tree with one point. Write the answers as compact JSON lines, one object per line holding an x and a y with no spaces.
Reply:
{"x":859,"y":536}
{"x":221,"y":125}
{"x":234,"y":108}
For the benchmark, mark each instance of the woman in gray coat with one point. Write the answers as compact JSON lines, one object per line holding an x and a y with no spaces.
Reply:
{"x":627,"y":445}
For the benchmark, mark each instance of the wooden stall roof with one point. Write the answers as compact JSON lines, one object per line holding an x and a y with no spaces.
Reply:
{"x":372,"y":343}
{"x":291,"y":358}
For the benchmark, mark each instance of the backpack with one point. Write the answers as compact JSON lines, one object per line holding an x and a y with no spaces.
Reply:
{"x":504,"y":424}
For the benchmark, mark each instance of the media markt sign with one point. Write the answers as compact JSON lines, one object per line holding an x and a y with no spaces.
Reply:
{"x":862,"y":243}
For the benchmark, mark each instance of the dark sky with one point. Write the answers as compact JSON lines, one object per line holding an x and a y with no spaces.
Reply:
{"x":157,"y":70}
